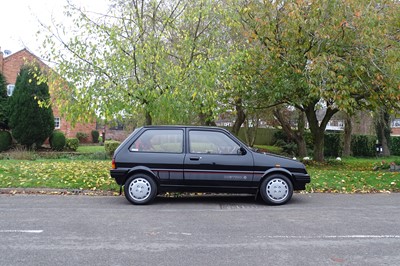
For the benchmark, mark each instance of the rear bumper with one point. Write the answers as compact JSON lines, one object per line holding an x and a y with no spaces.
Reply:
{"x":119,"y":175}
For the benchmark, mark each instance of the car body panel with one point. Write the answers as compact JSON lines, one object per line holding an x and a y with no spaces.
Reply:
{"x":238,"y":171}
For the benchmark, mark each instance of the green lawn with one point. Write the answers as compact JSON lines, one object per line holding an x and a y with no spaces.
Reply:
{"x":90,"y":149}
{"x":355,"y":175}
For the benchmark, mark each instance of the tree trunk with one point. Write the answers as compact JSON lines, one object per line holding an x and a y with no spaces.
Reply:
{"x":297,"y":136}
{"x":348,"y":128}
{"x":318,"y":128}
{"x":251,"y":132}
{"x":301,"y":142}
{"x":302,"y":147}
{"x":385,"y":147}
{"x":240,"y":117}
{"x":319,"y":140}
{"x":386,"y":135}
{"x":383,"y":130}
{"x":149,"y":119}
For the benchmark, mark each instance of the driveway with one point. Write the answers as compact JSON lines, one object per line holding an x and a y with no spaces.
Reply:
{"x":313,"y":229}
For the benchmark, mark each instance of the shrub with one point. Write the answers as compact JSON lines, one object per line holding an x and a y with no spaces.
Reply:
{"x":95,"y":136}
{"x":110,"y":146}
{"x":72,"y":144}
{"x":81,"y":136}
{"x":57,"y":141}
{"x":289,"y":147}
{"x":5,"y":140}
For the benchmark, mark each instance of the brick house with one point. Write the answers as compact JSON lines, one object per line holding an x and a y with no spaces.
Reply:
{"x":10,"y":65}
{"x":396,"y":125}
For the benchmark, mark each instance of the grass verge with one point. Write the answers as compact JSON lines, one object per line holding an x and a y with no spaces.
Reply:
{"x":61,"y":174}
{"x":348,"y":176}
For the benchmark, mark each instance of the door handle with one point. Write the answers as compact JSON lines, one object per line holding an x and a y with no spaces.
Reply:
{"x":195,"y":158}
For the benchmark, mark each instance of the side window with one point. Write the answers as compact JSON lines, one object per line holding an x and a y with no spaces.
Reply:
{"x":164,"y":141}
{"x":211,"y":143}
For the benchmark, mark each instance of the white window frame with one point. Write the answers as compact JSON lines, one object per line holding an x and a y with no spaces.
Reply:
{"x":57,"y":122}
{"x":396,"y":123}
{"x":10,"y":89}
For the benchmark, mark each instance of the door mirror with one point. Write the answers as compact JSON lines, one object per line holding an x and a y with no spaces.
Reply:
{"x":241,"y":151}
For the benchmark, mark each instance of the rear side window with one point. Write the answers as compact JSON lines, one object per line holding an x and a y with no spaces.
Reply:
{"x":211,"y":142}
{"x":161,"y":141}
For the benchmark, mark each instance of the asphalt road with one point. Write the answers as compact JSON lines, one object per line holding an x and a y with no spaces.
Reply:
{"x":313,"y":229}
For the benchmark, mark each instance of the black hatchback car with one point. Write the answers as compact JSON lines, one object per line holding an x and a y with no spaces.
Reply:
{"x":157,"y":159}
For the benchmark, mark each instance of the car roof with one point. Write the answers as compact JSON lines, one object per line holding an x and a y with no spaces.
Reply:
{"x":184,"y":126}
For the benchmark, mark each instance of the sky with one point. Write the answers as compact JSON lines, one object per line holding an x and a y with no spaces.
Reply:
{"x":19,"y":20}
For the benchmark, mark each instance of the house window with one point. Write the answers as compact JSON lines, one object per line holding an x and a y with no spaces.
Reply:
{"x":396,"y":122}
{"x":10,"y":89}
{"x":57,"y":122}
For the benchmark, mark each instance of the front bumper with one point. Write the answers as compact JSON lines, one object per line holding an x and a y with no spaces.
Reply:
{"x":301,"y":180}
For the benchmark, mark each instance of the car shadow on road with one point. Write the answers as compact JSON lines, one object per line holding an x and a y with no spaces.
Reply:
{"x":221,"y":199}
{"x":224,"y":200}
{"x":205,"y":199}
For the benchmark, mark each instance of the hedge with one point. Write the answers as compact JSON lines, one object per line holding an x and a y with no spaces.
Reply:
{"x":363,"y":145}
{"x":264,"y":136}
{"x":333,"y":144}
{"x":395,"y":146}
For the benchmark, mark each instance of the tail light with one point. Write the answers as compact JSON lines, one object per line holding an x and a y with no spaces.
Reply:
{"x":113,"y":164}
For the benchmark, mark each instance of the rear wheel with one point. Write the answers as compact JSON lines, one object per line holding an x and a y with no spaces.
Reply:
{"x":276,"y":189}
{"x":140,"y":189}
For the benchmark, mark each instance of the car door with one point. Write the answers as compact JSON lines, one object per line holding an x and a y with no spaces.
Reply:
{"x":215,"y":159}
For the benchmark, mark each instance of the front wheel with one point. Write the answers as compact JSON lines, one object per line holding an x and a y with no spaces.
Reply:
{"x":276,"y":189}
{"x":140,"y":189}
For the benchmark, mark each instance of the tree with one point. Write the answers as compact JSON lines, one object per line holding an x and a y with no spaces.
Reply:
{"x":31,"y":117}
{"x":153,"y":59}
{"x":334,"y":55}
{"x":3,"y":103}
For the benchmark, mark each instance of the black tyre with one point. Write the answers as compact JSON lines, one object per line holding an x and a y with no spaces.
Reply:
{"x":140,"y":189}
{"x":276,"y":189}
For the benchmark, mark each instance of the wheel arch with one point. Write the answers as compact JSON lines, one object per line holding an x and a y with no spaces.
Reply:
{"x":142,"y":170}
{"x":273,"y":171}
